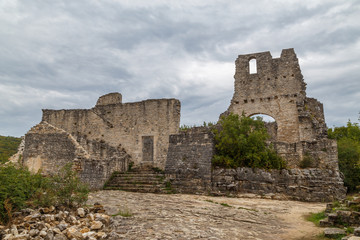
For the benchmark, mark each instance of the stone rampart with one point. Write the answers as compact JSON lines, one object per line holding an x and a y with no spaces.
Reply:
{"x":296,"y":184}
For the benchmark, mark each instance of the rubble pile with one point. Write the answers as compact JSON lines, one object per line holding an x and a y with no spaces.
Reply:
{"x":87,"y":223}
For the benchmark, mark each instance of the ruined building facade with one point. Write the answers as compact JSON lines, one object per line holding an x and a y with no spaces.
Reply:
{"x":112,"y":135}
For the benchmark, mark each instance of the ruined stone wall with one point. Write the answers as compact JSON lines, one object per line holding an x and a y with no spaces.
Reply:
{"x":188,"y":164}
{"x":48,"y":149}
{"x":141,"y":128}
{"x":277,"y":89}
{"x":297,"y":184}
{"x":189,"y":169}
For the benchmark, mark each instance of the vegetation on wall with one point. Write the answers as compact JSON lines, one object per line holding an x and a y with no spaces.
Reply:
{"x":8,"y":147}
{"x":348,"y":141}
{"x":242,"y":142}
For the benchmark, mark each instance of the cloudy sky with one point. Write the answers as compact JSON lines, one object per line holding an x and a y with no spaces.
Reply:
{"x":65,"y":54}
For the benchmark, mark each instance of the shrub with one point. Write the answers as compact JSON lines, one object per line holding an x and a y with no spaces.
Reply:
{"x":19,"y":188}
{"x":64,"y":188}
{"x":242,"y":142}
{"x":348,"y":141}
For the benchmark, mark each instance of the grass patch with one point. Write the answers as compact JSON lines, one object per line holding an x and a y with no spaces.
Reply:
{"x":124,"y":212}
{"x":315,"y":217}
{"x":225,"y":205}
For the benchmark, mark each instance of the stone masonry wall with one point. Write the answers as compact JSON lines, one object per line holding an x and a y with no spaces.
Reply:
{"x":188,"y":164}
{"x":124,"y":125}
{"x":296,"y":184}
{"x":48,"y":149}
{"x":189,"y":169}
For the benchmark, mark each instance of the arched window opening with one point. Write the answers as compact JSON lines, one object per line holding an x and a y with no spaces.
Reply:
{"x":270,"y":125}
{"x":264,"y":117}
{"x":252,"y":66}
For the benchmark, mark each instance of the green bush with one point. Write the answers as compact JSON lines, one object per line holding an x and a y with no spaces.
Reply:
{"x":242,"y":142}
{"x":348,"y":141}
{"x":19,"y":188}
{"x":62,"y":189}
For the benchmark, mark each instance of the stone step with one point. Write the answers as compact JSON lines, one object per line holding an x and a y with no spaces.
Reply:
{"x":138,"y":180}
{"x":125,"y":175}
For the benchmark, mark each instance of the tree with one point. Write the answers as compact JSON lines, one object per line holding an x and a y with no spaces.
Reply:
{"x":348,"y":141}
{"x":242,"y":142}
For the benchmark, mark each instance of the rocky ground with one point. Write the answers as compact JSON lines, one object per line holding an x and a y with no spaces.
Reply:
{"x":175,"y":216}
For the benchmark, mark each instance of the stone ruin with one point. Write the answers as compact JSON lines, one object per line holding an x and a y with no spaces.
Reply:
{"x":113,"y":135}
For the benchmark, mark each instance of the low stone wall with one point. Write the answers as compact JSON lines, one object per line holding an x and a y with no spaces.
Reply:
{"x":296,"y":184}
{"x":188,"y":164}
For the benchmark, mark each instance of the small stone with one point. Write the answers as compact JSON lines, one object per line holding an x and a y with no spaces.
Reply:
{"x":8,"y":236}
{"x":42,"y":233}
{"x":60,"y":237}
{"x":91,"y":216}
{"x":353,"y":238}
{"x":334,"y":232}
{"x":88,"y":235}
{"x":49,"y":235}
{"x":49,"y":218}
{"x":33,"y":232}
{"x":56,"y":230}
{"x":325,"y":223}
{"x":96,"y":225}
{"x":73,"y":232}
{"x":101,"y":235}
{"x":14,"y":230}
{"x":85,"y":230}
{"x":81,"y":212}
{"x":357,"y":232}
{"x":105,"y":219}
{"x":62,"y":226}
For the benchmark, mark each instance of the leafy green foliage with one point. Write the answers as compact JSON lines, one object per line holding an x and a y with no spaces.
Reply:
{"x":19,"y":188}
{"x":8,"y":147}
{"x":348,"y":140}
{"x":242,"y":142}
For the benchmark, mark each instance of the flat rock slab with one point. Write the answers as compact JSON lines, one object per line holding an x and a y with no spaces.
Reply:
{"x":334,"y":232}
{"x":180,"y":216}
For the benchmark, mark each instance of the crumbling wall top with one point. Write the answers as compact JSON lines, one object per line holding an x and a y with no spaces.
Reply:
{"x":110,"y":98}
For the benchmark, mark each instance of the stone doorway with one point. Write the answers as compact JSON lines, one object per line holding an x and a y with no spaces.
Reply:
{"x":148,"y":148}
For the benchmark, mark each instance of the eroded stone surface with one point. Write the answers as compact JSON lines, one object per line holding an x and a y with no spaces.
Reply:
{"x":158,"y":216}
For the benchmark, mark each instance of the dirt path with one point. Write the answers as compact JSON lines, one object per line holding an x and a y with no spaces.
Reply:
{"x":156,"y":216}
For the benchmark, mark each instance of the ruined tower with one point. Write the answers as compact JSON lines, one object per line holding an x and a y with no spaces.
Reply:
{"x":275,"y":87}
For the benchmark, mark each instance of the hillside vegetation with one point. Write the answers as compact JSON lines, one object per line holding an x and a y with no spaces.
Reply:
{"x":8,"y":147}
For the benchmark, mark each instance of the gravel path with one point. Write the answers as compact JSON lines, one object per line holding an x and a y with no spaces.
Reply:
{"x":180,"y":216}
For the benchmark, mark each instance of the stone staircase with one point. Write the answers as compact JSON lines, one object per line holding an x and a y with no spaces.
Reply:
{"x":150,"y":180}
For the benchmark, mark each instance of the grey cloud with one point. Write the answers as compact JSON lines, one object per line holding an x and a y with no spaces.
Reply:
{"x":65,"y":54}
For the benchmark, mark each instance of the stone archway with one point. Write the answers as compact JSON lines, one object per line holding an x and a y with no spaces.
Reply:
{"x":276,"y":89}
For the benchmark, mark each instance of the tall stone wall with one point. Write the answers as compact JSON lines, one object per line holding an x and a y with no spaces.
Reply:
{"x":129,"y":125}
{"x":188,"y":164}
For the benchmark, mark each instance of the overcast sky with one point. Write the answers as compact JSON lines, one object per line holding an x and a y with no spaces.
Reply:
{"x":65,"y":54}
